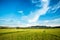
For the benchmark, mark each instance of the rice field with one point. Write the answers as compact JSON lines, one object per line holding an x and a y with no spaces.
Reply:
{"x":30,"y":34}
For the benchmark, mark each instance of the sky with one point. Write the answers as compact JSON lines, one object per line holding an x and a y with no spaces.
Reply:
{"x":25,"y":13}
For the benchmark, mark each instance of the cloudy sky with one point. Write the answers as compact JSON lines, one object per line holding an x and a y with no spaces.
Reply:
{"x":25,"y":13}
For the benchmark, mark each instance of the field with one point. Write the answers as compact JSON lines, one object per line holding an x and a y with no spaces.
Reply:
{"x":30,"y":34}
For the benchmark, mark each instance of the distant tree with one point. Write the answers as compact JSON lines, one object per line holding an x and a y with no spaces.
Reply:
{"x":17,"y":27}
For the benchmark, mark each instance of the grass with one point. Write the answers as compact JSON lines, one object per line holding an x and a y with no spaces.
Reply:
{"x":30,"y":34}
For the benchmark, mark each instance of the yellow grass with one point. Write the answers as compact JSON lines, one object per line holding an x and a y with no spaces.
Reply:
{"x":29,"y":34}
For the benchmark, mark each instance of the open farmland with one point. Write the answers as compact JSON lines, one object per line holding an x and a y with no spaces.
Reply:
{"x":30,"y":34}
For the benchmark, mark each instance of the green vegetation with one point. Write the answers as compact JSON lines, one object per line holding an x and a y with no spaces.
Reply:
{"x":30,"y":34}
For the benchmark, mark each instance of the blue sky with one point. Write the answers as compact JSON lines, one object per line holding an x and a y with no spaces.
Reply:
{"x":25,"y":13}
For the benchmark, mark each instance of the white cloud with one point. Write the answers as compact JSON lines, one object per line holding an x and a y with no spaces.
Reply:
{"x":20,"y":11}
{"x":10,"y":21}
{"x":34,"y":16}
{"x":44,"y":0}
{"x":35,"y":1}
{"x":18,"y":23}
{"x":55,"y":22}
{"x":54,"y":8}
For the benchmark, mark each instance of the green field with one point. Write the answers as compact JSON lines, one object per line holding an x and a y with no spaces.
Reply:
{"x":30,"y":34}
